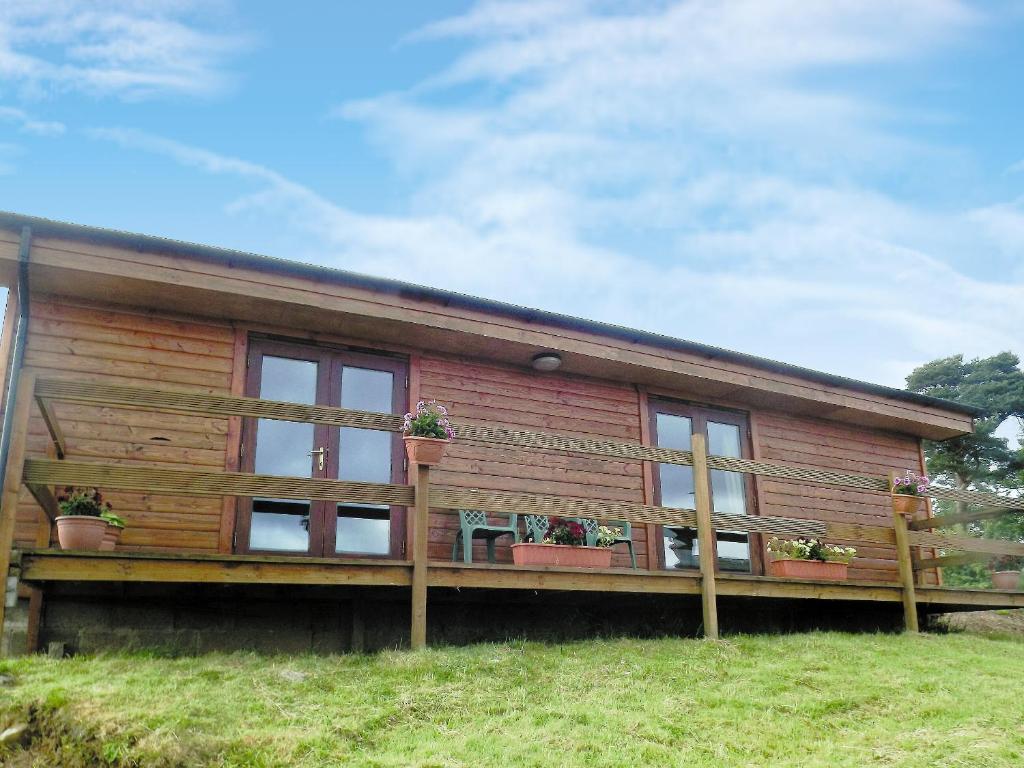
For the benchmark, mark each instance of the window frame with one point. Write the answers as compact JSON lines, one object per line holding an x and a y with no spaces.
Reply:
{"x":331,"y":361}
{"x":700,"y":414}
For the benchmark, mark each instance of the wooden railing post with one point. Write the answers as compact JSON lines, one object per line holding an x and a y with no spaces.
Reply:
{"x":12,"y":479}
{"x":421,"y":521}
{"x":705,"y":535}
{"x":906,"y":566}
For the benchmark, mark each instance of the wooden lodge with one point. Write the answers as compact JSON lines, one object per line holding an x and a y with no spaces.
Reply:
{"x":242,"y":413}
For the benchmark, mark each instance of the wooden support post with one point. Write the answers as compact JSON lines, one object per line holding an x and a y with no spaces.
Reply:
{"x":12,"y":478}
{"x":705,"y":535}
{"x":906,"y":567}
{"x":418,"y":635}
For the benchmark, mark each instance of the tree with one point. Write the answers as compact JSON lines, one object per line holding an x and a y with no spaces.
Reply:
{"x":996,"y":386}
{"x":981,"y":460}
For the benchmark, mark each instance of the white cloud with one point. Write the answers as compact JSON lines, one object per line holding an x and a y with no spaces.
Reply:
{"x":670,"y":167}
{"x":29,"y":124}
{"x":127,"y":48}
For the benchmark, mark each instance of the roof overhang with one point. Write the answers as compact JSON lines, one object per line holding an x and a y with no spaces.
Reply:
{"x":157,"y":274}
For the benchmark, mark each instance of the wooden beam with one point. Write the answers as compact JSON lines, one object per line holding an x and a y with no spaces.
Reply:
{"x":44,"y":566}
{"x":705,"y":535}
{"x":950,"y":560}
{"x":945,"y":521}
{"x":421,"y":523}
{"x":233,"y":440}
{"x":906,"y":571}
{"x":965,"y":543}
{"x":192,"y":403}
{"x":53,"y":426}
{"x":44,"y":497}
{"x":193,"y":483}
{"x":22,"y":409}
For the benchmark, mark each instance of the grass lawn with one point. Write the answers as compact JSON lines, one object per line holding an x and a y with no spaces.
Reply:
{"x":799,"y":700}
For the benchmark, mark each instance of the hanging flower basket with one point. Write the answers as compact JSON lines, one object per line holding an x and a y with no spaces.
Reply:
{"x":427,"y":433}
{"x":907,"y":492}
{"x":425,"y":450}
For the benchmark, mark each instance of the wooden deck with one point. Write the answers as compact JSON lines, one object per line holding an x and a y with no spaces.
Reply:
{"x":44,"y":566}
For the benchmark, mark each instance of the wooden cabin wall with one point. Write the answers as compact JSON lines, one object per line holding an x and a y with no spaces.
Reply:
{"x":138,"y":348}
{"x":504,"y":396}
{"x":141,"y":348}
{"x":842,"y":448}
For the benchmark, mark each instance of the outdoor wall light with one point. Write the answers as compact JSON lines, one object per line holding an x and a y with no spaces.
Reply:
{"x":546,"y":361}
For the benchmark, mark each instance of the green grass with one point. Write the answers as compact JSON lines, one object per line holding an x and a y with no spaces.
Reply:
{"x":800,"y":700}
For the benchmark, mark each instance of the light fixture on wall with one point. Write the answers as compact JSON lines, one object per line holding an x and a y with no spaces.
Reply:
{"x":547,"y":361}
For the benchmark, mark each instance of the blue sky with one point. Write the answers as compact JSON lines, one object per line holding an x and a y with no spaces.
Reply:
{"x":838,"y":185}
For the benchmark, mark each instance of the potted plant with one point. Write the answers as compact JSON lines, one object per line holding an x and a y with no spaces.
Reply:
{"x":115,"y":527}
{"x":808,"y":559}
{"x":1005,"y":571}
{"x":907,"y":492}
{"x":564,"y":544}
{"x":427,"y":433}
{"x":80,"y":525}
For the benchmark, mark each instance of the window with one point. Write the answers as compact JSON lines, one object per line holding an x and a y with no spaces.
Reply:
{"x":673,"y":425}
{"x":310,"y":375}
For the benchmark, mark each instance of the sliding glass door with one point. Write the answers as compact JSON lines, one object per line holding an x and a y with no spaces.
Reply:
{"x":314,"y":375}
{"x":672,"y":426}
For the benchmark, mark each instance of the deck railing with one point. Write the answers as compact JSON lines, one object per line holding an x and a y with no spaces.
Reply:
{"x":41,"y":475}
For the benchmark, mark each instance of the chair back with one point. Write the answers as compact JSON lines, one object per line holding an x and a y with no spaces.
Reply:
{"x":536,"y":527}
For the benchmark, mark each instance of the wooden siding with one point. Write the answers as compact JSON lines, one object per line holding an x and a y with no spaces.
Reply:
{"x":841,"y":447}
{"x":142,"y":348}
{"x":504,"y":396}
{"x":87,"y":342}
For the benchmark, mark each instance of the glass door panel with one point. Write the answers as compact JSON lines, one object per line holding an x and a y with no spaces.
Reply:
{"x":675,"y":485}
{"x":283,"y":448}
{"x":365,"y":455}
{"x":728,"y":494}
{"x":673,"y":425}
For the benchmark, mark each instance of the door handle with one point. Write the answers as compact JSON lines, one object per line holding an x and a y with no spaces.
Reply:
{"x":321,"y":454}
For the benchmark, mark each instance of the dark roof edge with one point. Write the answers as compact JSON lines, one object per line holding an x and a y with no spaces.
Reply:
{"x":152,"y":243}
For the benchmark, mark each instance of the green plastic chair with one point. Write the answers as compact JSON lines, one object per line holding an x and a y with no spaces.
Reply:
{"x":474,"y":524}
{"x":626,"y":537}
{"x":536,"y":527}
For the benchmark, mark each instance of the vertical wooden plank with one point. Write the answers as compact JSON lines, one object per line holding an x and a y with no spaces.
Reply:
{"x":929,"y":511}
{"x":653,"y":531}
{"x":906,"y":568}
{"x":414,"y":395}
{"x":705,"y":535}
{"x":10,"y":330}
{"x":421,"y":521}
{"x":757,"y":454}
{"x":12,"y":478}
{"x":229,"y":506}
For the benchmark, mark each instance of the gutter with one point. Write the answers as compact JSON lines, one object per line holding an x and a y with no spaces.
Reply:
{"x":18,"y":350}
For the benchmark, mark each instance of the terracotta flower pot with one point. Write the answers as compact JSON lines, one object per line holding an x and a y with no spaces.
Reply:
{"x":562,"y":554}
{"x":807,"y":569}
{"x":903,"y":504}
{"x":425,"y":450}
{"x":110,"y":538}
{"x":1005,"y":579}
{"x":80,"y":532}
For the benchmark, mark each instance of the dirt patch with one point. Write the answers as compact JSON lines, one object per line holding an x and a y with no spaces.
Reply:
{"x":1006,"y":623}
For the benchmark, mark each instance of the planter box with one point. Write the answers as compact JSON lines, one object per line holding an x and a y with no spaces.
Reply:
{"x":425,"y":450}
{"x":1006,"y":579}
{"x":807,"y":569}
{"x":80,"y":532}
{"x":562,"y":554}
